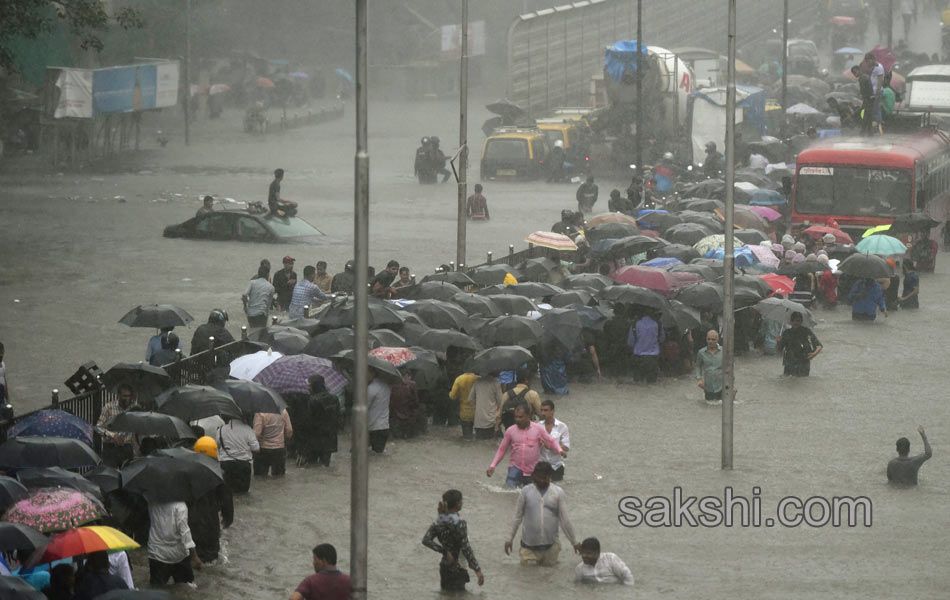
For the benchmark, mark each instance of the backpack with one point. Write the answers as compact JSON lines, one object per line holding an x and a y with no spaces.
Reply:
{"x":508,"y":408}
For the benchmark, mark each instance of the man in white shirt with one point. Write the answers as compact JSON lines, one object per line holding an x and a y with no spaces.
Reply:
{"x":171,"y":551}
{"x":558,"y":430}
{"x":600,"y":567}
{"x":378,"y":393}
{"x":542,"y":507}
{"x":236,"y":447}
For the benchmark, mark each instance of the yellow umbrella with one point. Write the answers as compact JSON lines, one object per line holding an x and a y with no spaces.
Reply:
{"x":874,"y":230}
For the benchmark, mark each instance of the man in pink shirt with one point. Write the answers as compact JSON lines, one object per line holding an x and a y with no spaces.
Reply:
{"x":273,"y":431}
{"x":525,"y":439}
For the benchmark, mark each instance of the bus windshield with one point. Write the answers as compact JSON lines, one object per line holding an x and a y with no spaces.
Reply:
{"x":852,"y":191}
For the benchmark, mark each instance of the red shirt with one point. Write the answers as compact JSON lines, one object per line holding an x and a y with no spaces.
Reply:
{"x":326,"y":585}
{"x":828,"y":284}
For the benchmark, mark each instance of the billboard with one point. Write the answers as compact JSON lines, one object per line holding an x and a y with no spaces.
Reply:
{"x":86,"y":93}
{"x":452,"y":40}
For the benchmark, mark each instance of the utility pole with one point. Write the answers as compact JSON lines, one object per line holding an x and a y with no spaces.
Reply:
{"x":462,"y":215}
{"x":639,"y":50}
{"x":890,"y":23}
{"x":728,"y":259}
{"x":359,"y":468}
{"x":785,"y":64}
{"x":187,"y":69}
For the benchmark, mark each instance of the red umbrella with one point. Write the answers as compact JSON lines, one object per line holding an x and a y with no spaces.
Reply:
{"x":779,"y":283}
{"x":652,"y":278}
{"x":817,"y":231}
{"x":265,"y":82}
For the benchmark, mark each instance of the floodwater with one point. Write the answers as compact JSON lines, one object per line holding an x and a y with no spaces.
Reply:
{"x":76,"y":259}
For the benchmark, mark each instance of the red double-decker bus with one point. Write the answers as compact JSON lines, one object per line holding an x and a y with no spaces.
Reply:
{"x":867,"y":181}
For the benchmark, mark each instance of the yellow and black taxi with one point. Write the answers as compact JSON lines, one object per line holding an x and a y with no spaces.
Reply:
{"x":514,"y":153}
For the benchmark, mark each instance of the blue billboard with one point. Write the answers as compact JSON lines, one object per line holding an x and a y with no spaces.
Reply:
{"x":124,"y":89}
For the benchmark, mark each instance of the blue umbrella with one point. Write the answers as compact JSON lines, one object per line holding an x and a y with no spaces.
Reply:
{"x":743,"y":256}
{"x":848,"y":50}
{"x":663,"y":261}
{"x":55,"y":423}
{"x":298,"y":75}
{"x":342,"y":73}
{"x":764,"y":197}
{"x":883,"y":245}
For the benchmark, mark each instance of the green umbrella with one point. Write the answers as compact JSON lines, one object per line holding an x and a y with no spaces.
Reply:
{"x":882,"y":245}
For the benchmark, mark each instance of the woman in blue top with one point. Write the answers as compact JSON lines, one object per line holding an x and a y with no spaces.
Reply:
{"x":866,"y":297}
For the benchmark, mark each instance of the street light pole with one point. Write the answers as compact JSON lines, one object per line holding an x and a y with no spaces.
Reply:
{"x":890,"y":23}
{"x":462,"y":213}
{"x":728,"y":260}
{"x":187,"y":69}
{"x":639,"y":51}
{"x":359,"y":468}
{"x":784,"y":63}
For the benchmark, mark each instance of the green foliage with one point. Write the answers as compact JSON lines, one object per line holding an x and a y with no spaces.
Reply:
{"x":85,"y":19}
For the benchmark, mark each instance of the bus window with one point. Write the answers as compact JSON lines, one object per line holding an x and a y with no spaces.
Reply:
{"x":852,"y":191}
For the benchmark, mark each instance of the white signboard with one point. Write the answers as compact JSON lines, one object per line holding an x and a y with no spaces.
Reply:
{"x":75,"y":94}
{"x":452,"y":40}
{"x":166,"y":84}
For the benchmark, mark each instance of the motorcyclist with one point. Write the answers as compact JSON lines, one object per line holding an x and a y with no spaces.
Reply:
{"x":213,"y":328}
{"x":618,"y":203}
{"x":345,"y":282}
{"x":556,"y":162}
{"x":712,"y":164}
{"x":567,"y":221}
{"x":664,"y":174}
{"x":437,"y":160}
{"x":587,"y":195}
{"x":422,"y":168}
{"x":634,"y":191}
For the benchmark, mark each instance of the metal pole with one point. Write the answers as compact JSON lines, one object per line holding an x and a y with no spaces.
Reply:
{"x":359,"y":477}
{"x":187,"y":69}
{"x":728,"y":260}
{"x":784,"y":61}
{"x":463,"y":141}
{"x":639,"y":51}
{"x":890,"y":23}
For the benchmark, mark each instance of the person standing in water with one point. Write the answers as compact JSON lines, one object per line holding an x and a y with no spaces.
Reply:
{"x":448,"y":535}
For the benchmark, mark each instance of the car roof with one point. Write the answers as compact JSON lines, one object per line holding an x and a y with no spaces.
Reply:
{"x":930,"y":71}
{"x":516,"y":134}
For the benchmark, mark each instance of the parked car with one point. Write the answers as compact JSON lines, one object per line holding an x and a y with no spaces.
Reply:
{"x":244,"y":226}
{"x":515,"y":153}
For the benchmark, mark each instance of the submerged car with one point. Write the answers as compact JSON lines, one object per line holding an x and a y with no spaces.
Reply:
{"x":244,"y":226}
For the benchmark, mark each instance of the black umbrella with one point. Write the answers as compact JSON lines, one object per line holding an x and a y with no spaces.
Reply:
{"x":633,"y":295}
{"x":16,"y":536}
{"x":753,"y":282}
{"x":151,"y":423}
{"x":624,"y":247}
{"x":380,"y":366}
{"x":700,"y":204}
{"x":681,"y":316}
{"x":425,"y":370}
{"x":11,"y":492}
{"x":870,"y":266}
{"x":511,"y":304}
{"x":308,"y":326}
{"x":411,"y":330}
{"x":432,"y":290}
{"x":499,"y":358}
{"x":511,"y":330}
{"x":801,"y":268}
{"x":701,"y":295}
{"x":475,"y":304}
{"x":757,"y":178}
{"x":610,"y":231}
{"x":156,"y":316}
{"x":172,"y":475}
{"x":592,"y":317}
{"x":388,"y":337}
{"x":529,"y":289}
{"x":492,"y":274}
{"x":912,"y":223}
{"x":703,"y":271}
{"x":51,"y":477}
{"x":713,"y":263}
{"x":15,"y":588}
{"x":707,"y":219}
{"x":457,"y":278}
{"x":24,"y":452}
{"x":710,"y":188}
{"x":439,"y":314}
{"x":286,"y":340}
{"x":659,"y":220}
{"x":538,"y":269}
{"x":505,"y":108}
{"x":341,"y":313}
{"x":590,"y":281}
{"x":563,"y":325}
{"x":750,"y":236}
{"x":440,"y":340}
{"x":682,"y":252}
{"x":841,"y":252}
{"x":192,"y":402}
{"x":252,"y":397}
{"x":337,"y":340}
{"x":686,"y":234}
{"x":106,"y":477}
{"x":141,"y":376}
{"x":743,"y":296}
{"x":579,"y":296}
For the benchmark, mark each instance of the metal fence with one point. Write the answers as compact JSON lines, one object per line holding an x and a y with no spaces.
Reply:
{"x":197,"y":369}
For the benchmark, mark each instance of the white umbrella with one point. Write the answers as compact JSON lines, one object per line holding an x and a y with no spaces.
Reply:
{"x":802,"y":109}
{"x":248,"y":366}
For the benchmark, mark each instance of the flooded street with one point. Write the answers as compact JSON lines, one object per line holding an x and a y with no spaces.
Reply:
{"x":77,"y":259}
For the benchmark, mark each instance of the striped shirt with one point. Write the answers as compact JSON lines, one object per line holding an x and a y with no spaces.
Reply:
{"x":304,"y":294}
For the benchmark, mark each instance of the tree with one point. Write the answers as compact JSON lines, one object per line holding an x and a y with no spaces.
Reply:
{"x":86,"y":19}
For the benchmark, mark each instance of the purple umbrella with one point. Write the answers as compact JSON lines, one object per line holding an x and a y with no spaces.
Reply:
{"x":55,"y":423}
{"x":289,"y":374}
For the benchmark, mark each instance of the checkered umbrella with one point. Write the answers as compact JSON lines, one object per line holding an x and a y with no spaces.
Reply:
{"x":289,"y":374}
